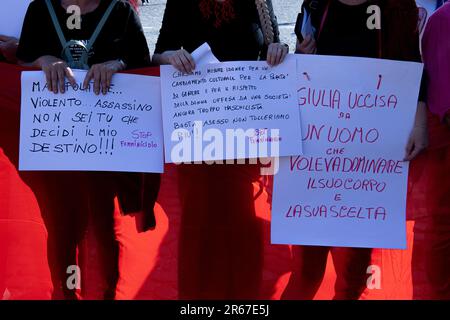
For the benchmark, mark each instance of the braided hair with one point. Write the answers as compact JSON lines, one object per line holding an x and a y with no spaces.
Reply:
{"x":266,"y":21}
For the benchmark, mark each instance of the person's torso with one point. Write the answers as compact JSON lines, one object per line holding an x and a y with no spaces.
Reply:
{"x":240,"y":38}
{"x":109,"y":44}
{"x":346,"y":32}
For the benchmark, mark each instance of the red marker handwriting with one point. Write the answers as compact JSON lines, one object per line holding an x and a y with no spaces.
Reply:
{"x":380,"y":77}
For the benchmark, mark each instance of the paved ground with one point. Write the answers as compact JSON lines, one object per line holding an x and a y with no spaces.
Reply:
{"x":286,"y":11}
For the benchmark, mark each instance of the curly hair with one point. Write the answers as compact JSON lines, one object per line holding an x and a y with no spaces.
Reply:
{"x":266,"y":21}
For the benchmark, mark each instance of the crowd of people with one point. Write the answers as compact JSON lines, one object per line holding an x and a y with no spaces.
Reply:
{"x":219,"y":228}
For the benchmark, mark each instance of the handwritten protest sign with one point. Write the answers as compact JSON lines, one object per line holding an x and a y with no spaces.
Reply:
{"x":78,"y":130}
{"x":349,"y":187}
{"x":231,"y":110}
{"x":11,"y":17}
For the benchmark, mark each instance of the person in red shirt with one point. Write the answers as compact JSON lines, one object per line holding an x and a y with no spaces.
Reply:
{"x":66,"y":198}
{"x":342,"y":30}
{"x":221,"y":243}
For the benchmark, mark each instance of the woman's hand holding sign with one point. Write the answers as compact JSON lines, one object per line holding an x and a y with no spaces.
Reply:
{"x":179,"y":59}
{"x":182,"y":60}
{"x":56,"y":70}
{"x":276,"y":53}
{"x":102,"y":74}
{"x":418,"y":139}
{"x":307,"y":46}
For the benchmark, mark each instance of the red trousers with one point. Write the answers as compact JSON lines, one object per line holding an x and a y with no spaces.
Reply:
{"x":309,"y":265}
{"x":220,"y":245}
{"x":431,"y":250}
{"x":66,"y":200}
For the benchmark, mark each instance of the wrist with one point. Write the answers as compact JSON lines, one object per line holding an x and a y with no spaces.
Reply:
{"x":281,"y":44}
{"x":39,"y":62}
{"x":166,"y":56}
{"x":45,"y":60}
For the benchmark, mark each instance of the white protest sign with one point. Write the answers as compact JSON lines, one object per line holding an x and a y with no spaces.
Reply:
{"x":349,"y":187}
{"x":78,"y":130}
{"x":12,"y":14}
{"x":231,"y":110}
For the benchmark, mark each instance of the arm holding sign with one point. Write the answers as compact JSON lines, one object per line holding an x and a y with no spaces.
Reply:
{"x":276,"y":53}
{"x":306,"y":46}
{"x":56,"y":70}
{"x":418,"y":140}
{"x":401,"y":42}
{"x":389,"y":48}
{"x":169,"y":48}
{"x":41,"y":53}
{"x":305,"y":32}
{"x":179,"y":59}
{"x":132,"y":54}
{"x":276,"y":50}
{"x":31,"y":51}
{"x":102,"y":74}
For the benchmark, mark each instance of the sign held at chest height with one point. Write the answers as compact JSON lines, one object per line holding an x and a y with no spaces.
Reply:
{"x":349,"y":187}
{"x":231,"y":110}
{"x":78,"y":130}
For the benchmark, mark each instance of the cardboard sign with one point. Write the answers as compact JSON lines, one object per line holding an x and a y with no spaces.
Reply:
{"x":78,"y":130}
{"x":231,"y":110}
{"x":349,"y":187}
